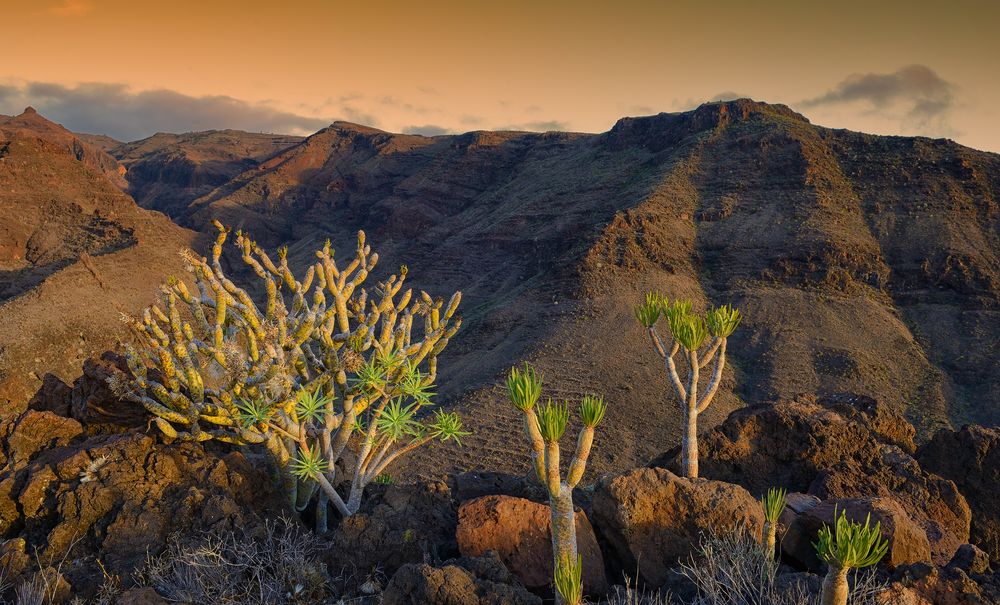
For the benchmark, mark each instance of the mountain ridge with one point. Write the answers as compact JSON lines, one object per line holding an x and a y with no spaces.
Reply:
{"x":838,"y":247}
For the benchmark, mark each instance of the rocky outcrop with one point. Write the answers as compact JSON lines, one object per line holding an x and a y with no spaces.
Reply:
{"x":466,"y":581}
{"x":399,"y":524}
{"x":90,"y":399}
{"x":835,"y":448}
{"x":518,"y":530}
{"x":118,"y":496}
{"x":971,"y":458}
{"x":652,"y":519}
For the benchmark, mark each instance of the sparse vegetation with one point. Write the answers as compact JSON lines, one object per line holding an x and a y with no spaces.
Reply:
{"x":848,"y":545}
{"x":734,"y":568}
{"x":544,"y":429}
{"x":230,"y":568}
{"x":690,"y":331}
{"x":318,"y":361}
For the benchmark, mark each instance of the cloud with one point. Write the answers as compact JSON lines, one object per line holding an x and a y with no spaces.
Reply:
{"x":119,"y":112}
{"x":915,"y":92}
{"x":728,"y":96}
{"x":428,"y":130}
{"x":545,"y":126}
{"x":70,"y":8}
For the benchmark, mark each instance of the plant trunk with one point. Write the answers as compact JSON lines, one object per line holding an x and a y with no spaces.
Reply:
{"x":689,"y":455}
{"x":322,"y":508}
{"x":835,"y":587}
{"x":563,"y":530}
{"x":770,"y":539}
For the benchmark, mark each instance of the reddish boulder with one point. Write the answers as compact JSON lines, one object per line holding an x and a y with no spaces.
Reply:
{"x":653,"y":519}
{"x":518,"y":530}
{"x":907,"y":541}
{"x":971,"y":458}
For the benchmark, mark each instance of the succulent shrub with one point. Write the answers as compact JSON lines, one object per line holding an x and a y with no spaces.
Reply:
{"x":544,"y":426}
{"x":848,"y":545}
{"x":702,"y":338}
{"x":312,"y":362}
{"x":773,"y":503}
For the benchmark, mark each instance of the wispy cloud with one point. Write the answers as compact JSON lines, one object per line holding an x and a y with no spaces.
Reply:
{"x":428,"y":130}
{"x":916,"y":93}
{"x":537,"y":126}
{"x":70,"y":8}
{"x":117,"y":111}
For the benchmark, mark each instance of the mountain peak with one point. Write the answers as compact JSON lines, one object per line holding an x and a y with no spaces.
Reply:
{"x":29,"y":111}
{"x":663,"y":130}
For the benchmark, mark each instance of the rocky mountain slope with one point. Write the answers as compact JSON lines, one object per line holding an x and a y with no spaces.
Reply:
{"x":75,"y":252}
{"x":862,"y":263}
{"x":166,"y":172}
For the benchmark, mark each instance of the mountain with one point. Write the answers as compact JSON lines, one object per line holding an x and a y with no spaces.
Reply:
{"x":75,"y":252}
{"x":168,"y":171}
{"x":862,"y":263}
{"x":87,"y":149}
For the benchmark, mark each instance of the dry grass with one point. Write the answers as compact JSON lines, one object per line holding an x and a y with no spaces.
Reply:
{"x":236,"y":568}
{"x":735,"y":570}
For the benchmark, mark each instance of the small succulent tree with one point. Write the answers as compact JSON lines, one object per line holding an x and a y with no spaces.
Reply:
{"x":690,"y":332}
{"x":544,"y":429}
{"x":848,"y":545}
{"x":301,"y":369}
{"x":773,"y":502}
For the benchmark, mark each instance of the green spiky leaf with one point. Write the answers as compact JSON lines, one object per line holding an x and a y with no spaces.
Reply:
{"x":552,"y":420}
{"x":648,"y":311}
{"x":308,"y":463}
{"x":687,"y":328}
{"x":773,"y":502}
{"x":723,"y":321}
{"x":253,"y":411}
{"x":447,"y":426}
{"x":569,"y":580}
{"x":413,"y":384}
{"x":851,"y":544}
{"x":592,"y":410}
{"x":397,"y":421}
{"x":524,"y":387}
{"x":310,"y":406}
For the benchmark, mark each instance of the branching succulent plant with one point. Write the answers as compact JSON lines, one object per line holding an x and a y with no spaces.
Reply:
{"x":848,"y":545}
{"x":773,"y":502}
{"x":301,"y":370}
{"x":544,"y":428}
{"x":691,"y":333}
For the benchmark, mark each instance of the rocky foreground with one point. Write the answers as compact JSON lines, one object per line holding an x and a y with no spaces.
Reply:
{"x":88,"y":495}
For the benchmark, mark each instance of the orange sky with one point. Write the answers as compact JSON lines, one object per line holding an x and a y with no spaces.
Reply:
{"x":454,"y":66}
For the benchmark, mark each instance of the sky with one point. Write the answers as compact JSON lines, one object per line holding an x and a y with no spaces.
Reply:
{"x":129,"y":69}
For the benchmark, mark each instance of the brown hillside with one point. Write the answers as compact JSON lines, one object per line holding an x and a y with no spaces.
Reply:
{"x":862,"y":263}
{"x":75,"y":252}
{"x":87,"y":149}
{"x":167,"y":172}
